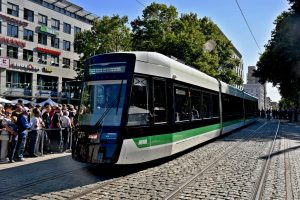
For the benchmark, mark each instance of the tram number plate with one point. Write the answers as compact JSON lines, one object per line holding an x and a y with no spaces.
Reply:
{"x":143,"y":141}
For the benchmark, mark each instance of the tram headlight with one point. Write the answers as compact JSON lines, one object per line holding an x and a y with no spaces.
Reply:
{"x":93,"y":136}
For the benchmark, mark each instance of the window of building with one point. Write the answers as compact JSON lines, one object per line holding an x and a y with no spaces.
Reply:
{"x":28,"y":35}
{"x":27,"y":55}
{"x":12,"y":52}
{"x":66,"y":63}
{"x":19,"y":80}
{"x":75,"y":64}
{"x":160,"y":101}
{"x":138,"y":114}
{"x":76,"y":30}
{"x":55,"y":23}
{"x":12,"y":30}
{"x":43,"y":19}
{"x":42,"y":38}
{"x":196,"y":104}
{"x":12,"y":9}
{"x":67,"y":28}
{"x":54,"y":42}
{"x":181,"y":104}
{"x":42,"y":58}
{"x":54,"y":60}
{"x":28,"y":15}
{"x":66,"y":45}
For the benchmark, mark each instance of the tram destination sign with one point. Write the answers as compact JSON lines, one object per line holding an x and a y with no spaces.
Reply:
{"x":107,"y":68}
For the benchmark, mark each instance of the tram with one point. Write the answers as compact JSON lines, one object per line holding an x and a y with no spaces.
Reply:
{"x":141,"y":106}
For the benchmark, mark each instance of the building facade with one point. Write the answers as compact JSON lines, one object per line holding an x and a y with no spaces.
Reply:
{"x":37,"y":58}
{"x":240,"y":68}
{"x":256,"y":89}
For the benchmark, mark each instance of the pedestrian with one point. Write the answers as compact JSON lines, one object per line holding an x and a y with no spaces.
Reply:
{"x":4,"y":136}
{"x":12,"y":128}
{"x":35,"y":133}
{"x":56,"y":132}
{"x":23,"y":126}
{"x":66,"y":125}
{"x":47,"y":122}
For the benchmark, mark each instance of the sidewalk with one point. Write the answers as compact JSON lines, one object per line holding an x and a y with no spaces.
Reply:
{"x":33,"y":160}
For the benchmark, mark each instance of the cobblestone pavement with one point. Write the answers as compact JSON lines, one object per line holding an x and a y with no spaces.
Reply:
{"x":232,"y":178}
{"x":283,"y":181}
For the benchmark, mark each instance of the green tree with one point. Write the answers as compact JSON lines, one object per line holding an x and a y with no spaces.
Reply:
{"x":150,"y":31}
{"x":280,"y":62}
{"x":161,"y":30}
{"x":108,"y":34}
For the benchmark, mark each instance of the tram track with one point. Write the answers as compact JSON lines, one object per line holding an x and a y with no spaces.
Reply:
{"x":102,"y":185}
{"x":179,"y":189}
{"x":258,"y":189}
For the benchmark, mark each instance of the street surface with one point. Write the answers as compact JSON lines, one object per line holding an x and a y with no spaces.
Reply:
{"x":229,"y":167}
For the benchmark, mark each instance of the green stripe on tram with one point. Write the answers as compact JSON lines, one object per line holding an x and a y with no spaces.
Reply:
{"x":154,"y":140}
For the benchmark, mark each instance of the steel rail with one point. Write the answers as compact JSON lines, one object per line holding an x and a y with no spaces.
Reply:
{"x":258,"y":190}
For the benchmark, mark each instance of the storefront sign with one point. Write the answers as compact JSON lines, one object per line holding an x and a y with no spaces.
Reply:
{"x":25,"y":67}
{"x":48,"y":69}
{"x":48,"y":51}
{"x":11,"y":41}
{"x":13,"y":20}
{"x":46,"y":29}
{"x":4,"y":62}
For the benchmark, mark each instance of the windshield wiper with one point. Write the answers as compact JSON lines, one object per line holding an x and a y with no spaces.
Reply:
{"x":116,"y":101}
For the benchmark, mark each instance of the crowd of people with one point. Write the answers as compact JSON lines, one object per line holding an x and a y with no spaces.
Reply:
{"x":290,"y":115}
{"x":31,"y":131}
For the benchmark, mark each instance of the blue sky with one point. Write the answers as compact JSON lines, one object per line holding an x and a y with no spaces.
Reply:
{"x":260,"y":15}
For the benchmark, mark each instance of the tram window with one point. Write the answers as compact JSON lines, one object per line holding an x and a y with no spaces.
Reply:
{"x":196,"y":104}
{"x":138,"y":114}
{"x":160,"y":101}
{"x":215,"y":101}
{"x":206,"y":105}
{"x":181,"y":104}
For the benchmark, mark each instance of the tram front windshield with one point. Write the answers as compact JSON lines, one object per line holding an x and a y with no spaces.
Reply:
{"x":102,"y":103}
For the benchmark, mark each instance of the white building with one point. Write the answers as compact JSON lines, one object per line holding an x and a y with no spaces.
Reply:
{"x":256,"y":89}
{"x":37,"y":52}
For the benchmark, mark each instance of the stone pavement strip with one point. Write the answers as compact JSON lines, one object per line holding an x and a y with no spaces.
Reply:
{"x":32,"y":160}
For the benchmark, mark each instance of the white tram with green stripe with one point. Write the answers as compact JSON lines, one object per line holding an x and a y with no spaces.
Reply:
{"x":141,"y":106}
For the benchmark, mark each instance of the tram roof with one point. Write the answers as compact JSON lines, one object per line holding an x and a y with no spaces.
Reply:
{"x":160,"y":65}
{"x":157,"y":64}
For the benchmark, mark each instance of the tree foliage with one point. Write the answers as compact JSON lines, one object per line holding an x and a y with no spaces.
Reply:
{"x":160,"y":29}
{"x":108,"y":34}
{"x":280,"y":62}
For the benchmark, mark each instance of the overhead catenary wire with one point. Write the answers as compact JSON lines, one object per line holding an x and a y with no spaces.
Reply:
{"x":147,"y":8}
{"x":237,"y":3}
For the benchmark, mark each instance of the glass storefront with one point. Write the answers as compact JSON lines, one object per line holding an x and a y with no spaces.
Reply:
{"x":47,"y":86}
{"x":18,"y":83}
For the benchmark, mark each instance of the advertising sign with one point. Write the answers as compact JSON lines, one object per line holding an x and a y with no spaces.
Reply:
{"x":4,"y":62}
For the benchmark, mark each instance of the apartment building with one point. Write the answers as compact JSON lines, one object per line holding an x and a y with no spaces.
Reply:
{"x":37,"y":58}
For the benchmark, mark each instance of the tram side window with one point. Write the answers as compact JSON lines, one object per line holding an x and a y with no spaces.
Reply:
{"x":160,"y":101}
{"x":196,"y":104}
{"x":206,"y":105}
{"x":215,"y":101}
{"x":181,"y":104}
{"x":138,"y":114}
